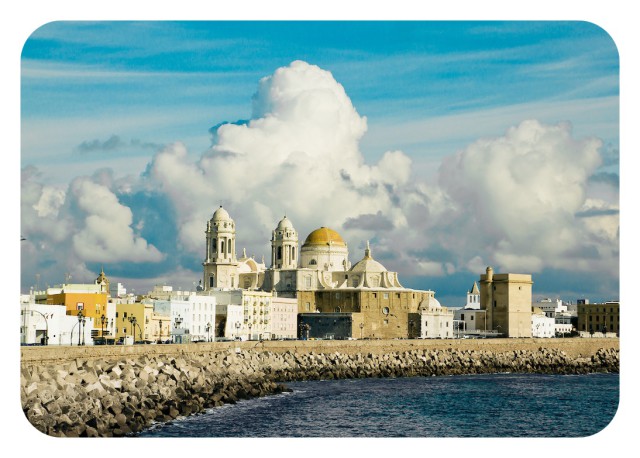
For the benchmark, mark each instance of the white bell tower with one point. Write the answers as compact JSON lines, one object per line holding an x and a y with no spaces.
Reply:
{"x":220,"y":264}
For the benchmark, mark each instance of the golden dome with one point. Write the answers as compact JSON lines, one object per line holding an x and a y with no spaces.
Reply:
{"x":324,"y":236}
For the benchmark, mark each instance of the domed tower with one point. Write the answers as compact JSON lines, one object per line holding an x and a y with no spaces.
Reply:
{"x":220,"y":264}
{"x":284,"y":246}
{"x":103,"y":281}
{"x":324,"y":249}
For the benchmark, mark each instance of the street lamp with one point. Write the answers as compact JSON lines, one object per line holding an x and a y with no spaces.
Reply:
{"x":249,"y":331}
{"x":160,"y":337}
{"x":81,"y":320}
{"x":361,"y":329}
{"x":46,"y":324}
{"x":133,"y":321}
{"x":237,"y":328}
{"x":208,"y":329}
{"x":178,"y":322}
{"x":103,"y":319}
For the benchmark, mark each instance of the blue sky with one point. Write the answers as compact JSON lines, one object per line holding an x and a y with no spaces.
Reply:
{"x":123,"y":112}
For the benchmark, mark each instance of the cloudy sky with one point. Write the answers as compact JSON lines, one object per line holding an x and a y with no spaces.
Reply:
{"x":450,"y":146}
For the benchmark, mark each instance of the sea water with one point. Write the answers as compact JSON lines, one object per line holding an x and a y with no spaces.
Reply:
{"x":489,"y":405}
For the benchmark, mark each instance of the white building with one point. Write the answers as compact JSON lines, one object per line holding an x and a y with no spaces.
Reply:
{"x":550,"y":307}
{"x":436,"y":321}
{"x":117,"y":290}
{"x":193,"y":318}
{"x":229,"y":321}
{"x":40,"y":320}
{"x":542,"y":326}
{"x":563,"y":323}
{"x":284,"y":318}
{"x":256,"y":310}
{"x":473,"y":298}
{"x":471,"y":320}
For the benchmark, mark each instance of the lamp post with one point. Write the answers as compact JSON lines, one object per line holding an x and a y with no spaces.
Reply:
{"x":237,"y":328}
{"x":361,"y":329}
{"x":208,"y":329}
{"x":178,"y":322}
{"x":46,"y":324}
{"x":133,"y":320}
{"x":160,"y":336}
{"x":249,"y":331}
{"x":103,"y":319}
{"x":498,"y":328}
{"x":81,"y":319}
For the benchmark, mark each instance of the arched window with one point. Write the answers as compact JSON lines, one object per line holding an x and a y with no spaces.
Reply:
{"x":214,"y":245}
{"x":222,"y":246}
{"x":312,"y":262}
{"x":293,"y":253}
{"x":211,"y":281}
{"x":279,"y":253}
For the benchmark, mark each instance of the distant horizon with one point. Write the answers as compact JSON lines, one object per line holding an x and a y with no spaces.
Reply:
{"x":451,"y":146}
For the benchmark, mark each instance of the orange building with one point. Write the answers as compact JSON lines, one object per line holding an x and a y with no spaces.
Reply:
{"x":90,"y":298}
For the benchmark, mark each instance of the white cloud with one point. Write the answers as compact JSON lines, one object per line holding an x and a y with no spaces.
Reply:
{"x":107,"y":235}
{"x":298,"y":155}
{"x":521,"y":194}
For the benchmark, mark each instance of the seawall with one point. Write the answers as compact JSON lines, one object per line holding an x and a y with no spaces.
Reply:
{"x":115,"y":391}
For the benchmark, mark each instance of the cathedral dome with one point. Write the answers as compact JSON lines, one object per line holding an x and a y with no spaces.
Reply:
{"x":324,"y":236}
{"x":284,"y":223}
{"x":430,"y":303}
{"x":221,"y":215}
{"x":368,"y":264}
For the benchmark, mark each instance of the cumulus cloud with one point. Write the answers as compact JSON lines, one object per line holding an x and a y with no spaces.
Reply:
{"x":107,"y":235}
{"x":297,"y":155}
{"x":532,"y":199}
{"x":522,"y":194}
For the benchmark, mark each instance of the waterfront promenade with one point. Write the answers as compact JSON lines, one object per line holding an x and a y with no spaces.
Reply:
{"x":573,"y":347}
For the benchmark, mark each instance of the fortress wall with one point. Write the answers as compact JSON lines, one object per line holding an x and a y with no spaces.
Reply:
{"x":573,"y":347}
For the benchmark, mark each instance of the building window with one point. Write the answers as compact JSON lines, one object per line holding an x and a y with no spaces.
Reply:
{"x":462,"y":317}
{"x":210,"y":281}
{"x":279,"y":253}
{"x":495,"y":303}
{"x":338,"y":310}
{"x":471,"y":317}
{"x":312,"y":262}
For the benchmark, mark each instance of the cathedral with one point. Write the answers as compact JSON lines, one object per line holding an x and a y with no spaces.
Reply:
{"x":367,"y":298}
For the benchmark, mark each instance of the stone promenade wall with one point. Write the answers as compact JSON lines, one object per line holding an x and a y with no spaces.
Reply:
{"x":115,"y":391}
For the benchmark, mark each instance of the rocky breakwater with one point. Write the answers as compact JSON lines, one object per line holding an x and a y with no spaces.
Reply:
{"x":116,"y":397}
{"x":102,"y":398}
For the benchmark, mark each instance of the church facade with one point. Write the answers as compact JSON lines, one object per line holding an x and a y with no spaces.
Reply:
{"x":319,"y":276}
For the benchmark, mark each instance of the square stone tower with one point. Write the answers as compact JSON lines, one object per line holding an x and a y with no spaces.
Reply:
{"x":506,"y":298}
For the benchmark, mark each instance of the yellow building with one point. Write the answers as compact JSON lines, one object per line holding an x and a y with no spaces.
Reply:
{"x":140,"y":321}
{"x":599,"y":318}
{"x":91,"y":299}
{"x":507,"y":301}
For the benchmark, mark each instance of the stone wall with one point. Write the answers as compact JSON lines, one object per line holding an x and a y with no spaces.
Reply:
{"x":115,"y":391}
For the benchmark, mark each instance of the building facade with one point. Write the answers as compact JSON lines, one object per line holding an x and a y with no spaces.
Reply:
{"x":599,"y":319}
{"x":507,"y":301}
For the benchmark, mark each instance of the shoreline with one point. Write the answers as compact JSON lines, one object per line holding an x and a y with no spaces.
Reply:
{"x":104,"y":392}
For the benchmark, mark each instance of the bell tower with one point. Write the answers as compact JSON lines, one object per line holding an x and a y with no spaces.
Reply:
{"x":284,"y":246}
{"x":220,"y":267}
